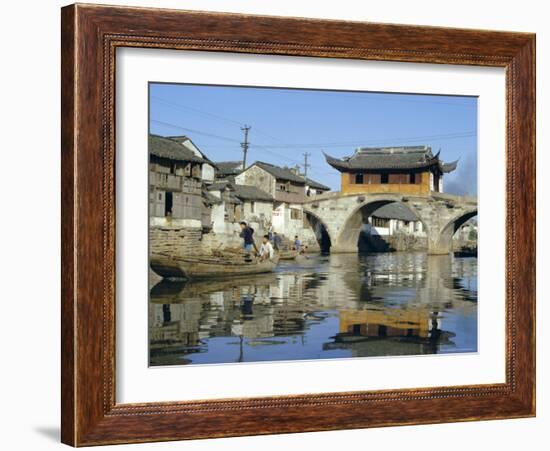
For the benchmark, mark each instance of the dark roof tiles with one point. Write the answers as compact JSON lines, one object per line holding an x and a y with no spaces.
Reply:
{"x":229,"y":167}
{"x":167,"y":148}
{"x":407,"y":157}
{"x":247,"y":192}
{"x":313,"y":184}
{"x":395,"y":210}
{"x":280,"y":173}
{"x":242,"y":192}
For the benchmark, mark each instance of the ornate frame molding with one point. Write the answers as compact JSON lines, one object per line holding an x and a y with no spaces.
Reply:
{"x":90,"y":37}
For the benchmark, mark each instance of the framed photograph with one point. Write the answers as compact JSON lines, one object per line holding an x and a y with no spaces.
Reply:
{"x":278,"y":225}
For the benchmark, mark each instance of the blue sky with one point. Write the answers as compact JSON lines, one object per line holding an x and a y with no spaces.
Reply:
{"x":286,"y":123}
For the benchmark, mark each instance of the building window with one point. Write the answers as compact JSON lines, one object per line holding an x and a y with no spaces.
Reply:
{"x":359,"y":180}
{"x":380,"y":222}
{"x":384,"y":178}
{"x":168,"y":203}
{"x":252,"y":207}
{"x":372,"y":179}
{"x":412,"y":178}
{"x":295,"y":213}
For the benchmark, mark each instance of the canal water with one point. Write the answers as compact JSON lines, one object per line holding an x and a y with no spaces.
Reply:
{"x":320,"y":307}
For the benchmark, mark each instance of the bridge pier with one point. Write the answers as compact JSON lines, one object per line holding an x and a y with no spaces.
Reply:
{"x":343,"y":248}
{"x":438,"y":249}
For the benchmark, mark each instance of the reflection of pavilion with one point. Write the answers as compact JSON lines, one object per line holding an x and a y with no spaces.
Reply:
{"x":404,"y":306}
{"x":385,"y":304}
{"x":389,"y":323}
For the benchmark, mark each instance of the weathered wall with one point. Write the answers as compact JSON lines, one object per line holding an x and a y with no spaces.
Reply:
{"x":262,"y":211}
{"x":218,"y":218}
{"x":208,"y":173}
{"x":284,"y":225}
{"x":256,"y":176}
{"x":175,"y":239}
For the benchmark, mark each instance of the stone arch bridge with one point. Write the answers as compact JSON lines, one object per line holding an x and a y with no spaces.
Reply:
{"x":343,"y":215}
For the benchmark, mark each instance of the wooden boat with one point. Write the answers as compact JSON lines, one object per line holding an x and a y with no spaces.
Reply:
{"x":210,"y":266}
{"x":290,"y":254}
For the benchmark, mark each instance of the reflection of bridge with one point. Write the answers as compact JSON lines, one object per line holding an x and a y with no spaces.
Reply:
{"x":343,"y":215}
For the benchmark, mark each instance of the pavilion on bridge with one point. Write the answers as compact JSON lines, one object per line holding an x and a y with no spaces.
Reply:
{"x":406,"y":170}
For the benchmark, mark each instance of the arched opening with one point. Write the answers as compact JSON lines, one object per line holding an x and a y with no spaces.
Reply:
{"x":464,"y":237}
{"x":384,"y":225}
{"x":445,"y":243}
{"x":320,"y":231}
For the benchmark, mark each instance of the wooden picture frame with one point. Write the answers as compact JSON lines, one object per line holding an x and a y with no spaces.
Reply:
{"x":90,"y":36}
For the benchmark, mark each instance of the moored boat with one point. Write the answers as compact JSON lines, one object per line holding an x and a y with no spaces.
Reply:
{"x":290,"y":254}
{"x":210,"y":266}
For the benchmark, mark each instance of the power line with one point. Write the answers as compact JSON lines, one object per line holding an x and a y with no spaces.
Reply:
{"x":457,"y":135}
{"x":196,"y":110}
{"x":377,"y":141}
{"x":215,"y":116}
{"x":378,"y":96}
{"x":268,"y":149}
{"x":211,"y":135}
{"x":179,"y":127}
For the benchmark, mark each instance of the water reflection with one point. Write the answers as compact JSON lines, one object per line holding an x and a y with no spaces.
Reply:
{"x":341,"y":305}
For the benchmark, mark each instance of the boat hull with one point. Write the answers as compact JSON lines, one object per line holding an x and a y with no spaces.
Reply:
{"x":181,"y":268}
{"x":288,"y":255}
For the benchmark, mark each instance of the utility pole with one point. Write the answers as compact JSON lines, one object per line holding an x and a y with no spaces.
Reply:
{"x":306,"y":164}
{"x":245,"y":144}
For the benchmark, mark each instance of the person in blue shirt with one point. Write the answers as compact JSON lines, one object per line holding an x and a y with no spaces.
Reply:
{"x":247,"y":234}
{"x":297,"y":243}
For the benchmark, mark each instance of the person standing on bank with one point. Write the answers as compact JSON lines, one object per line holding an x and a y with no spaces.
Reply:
{"x":247,"y":234}
{"x":277,"y":241}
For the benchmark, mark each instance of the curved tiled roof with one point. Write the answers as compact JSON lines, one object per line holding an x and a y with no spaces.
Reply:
{"x":313,"y":184}
{"x":279,"y":172}
{"x":242,"y":192}
{"x":248,"y":192}
{"x":386,"y":158}
{"x":229,"y":167}
{"x":395,"y":210}
{"x":167,"y":148}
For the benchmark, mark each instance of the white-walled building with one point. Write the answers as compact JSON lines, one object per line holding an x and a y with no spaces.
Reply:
{"x":239,"y":203}
{"x":394,"y":218}
{"x":289,"y":190}
{"x":314,"y":188}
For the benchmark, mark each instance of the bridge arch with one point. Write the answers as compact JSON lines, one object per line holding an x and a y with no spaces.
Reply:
{"x":320,"y":230}
{"x":442,"y":242}
{"x":343,"y":216}
{"x":348,"y":236}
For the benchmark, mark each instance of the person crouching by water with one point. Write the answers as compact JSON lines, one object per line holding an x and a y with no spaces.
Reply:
{"x":247,"y":234}
{"x":297,"y":244}
{"x":266,"y":249}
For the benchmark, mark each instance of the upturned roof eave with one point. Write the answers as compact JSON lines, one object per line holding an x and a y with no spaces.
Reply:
{"x":342,"y":165}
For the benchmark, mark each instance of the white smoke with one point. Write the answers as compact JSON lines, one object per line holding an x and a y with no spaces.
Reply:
{"x":463,"y":181}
